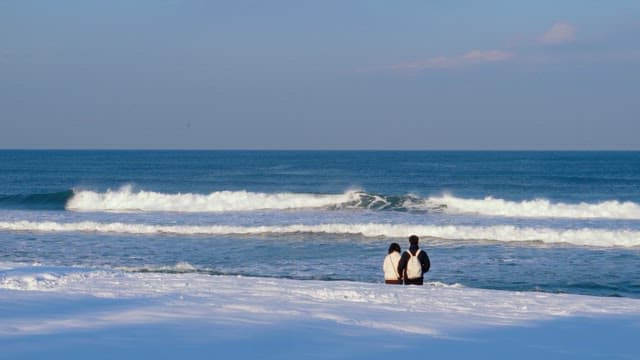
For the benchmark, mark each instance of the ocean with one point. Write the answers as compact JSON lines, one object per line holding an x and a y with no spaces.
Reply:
{"x":557,"y":222}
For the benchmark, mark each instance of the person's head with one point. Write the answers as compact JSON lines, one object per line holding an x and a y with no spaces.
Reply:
{"x":413,"y":240}
{"x":394,"y":247}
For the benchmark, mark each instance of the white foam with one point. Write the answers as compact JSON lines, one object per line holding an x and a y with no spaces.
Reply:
{"x":584,"y":236}
{"x":125,"y":199}
{"x":539,"y":208}
{"x":39,"y":281}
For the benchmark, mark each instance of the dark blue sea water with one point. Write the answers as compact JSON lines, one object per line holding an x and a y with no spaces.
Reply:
{"x":531,"y":221}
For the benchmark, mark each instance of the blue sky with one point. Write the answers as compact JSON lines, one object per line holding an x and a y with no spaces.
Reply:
{"x":320,"y":74}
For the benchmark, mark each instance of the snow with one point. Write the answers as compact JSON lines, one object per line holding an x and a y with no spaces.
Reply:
{"x":93,"y":313}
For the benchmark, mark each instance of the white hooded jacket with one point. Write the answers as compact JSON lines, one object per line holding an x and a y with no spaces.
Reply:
{"x":390,"y":266}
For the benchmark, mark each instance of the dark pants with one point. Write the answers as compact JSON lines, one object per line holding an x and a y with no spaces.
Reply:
{"x":394,"y":282}
{"x":417,"y":281}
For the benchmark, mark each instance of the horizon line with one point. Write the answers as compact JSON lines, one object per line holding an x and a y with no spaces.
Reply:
{"x":326,"y":150}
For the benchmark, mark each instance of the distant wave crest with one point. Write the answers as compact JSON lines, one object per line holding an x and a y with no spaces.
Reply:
{"x":539,"y":208}
{"x":126,"y":199}
{"x":583,"y":236}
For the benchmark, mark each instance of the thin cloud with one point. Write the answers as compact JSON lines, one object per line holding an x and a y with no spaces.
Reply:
{"x":559,"y":33}
{"x":523,"y":52}
{"x":609,"y":58}
{"x":473,"y":57}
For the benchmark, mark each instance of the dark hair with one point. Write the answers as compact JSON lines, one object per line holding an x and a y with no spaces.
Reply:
{"x":413,"y":240}
{"x":394,"y":247}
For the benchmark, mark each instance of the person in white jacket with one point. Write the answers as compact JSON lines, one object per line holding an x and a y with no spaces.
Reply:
{"x":390,"y":265}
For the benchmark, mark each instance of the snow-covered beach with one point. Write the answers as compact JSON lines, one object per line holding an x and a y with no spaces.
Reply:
{"x":57,"y":312}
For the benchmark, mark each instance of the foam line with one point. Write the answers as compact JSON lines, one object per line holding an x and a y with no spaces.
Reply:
{"x":584,"y":236}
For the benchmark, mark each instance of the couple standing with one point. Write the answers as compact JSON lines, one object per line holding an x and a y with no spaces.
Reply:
{"x":408,"y":267}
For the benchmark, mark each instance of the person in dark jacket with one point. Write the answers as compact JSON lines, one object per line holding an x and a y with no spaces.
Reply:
{"x":423,"y":258}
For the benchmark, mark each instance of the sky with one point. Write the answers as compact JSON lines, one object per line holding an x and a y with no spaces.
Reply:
{"x":355,"y":74}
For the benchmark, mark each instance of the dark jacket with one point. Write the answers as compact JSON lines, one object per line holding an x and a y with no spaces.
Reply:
{"x":423,"y":257}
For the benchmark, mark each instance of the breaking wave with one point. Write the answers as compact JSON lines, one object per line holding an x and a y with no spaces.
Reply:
{"x":540,"y":208}
{"x":126,"y":199}
{"x":509,"y":233}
